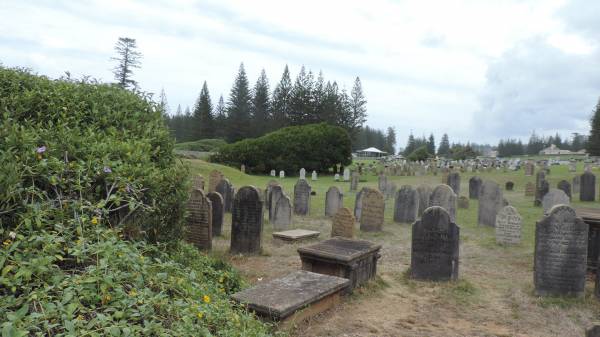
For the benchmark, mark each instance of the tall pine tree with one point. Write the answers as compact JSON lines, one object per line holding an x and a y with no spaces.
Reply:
{"x":261,"y":106}
{"x":358,"y":107}
{"x":281,"y":102}
{"x":203,"y":115}
{"x":220,"y":119}
{"x":301,"y":100}
{"x":444,"y":148}
{"x":390,"y":141}
{"x":431,"y":145}
{"x":238,"y":108}
{"x":593,"y":144}
{"x":410,"y":145}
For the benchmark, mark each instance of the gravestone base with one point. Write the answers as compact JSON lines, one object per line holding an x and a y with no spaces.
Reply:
{"x":295,"y":235}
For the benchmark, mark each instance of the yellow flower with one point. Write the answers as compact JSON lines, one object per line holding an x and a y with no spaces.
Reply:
{"x":132,"y":292}
{"x":200,"y":315}
{"x":79,"y":317}
{"x":6,"y":242}
{"x":39,"y":157}
{"x":94,"y":221}
{"x":206,"y":299}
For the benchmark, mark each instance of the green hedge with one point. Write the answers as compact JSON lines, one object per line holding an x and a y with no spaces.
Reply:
{"x":313,"y":147}
{"x":202,"y":145}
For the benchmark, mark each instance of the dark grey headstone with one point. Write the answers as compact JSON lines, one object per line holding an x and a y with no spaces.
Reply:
{"x":302,"y":197}
{"x":334,"y":200}
{"x":587,"y":190}
{"x":565,"y":186}
{"x":275,"y":192}
{"x":560,"y":259}
{"x":593,"y":331}
{"x":216,"y":201}
{"x":509,"y":186}
{"x":576,"y":186}
{"x":358,"y":203}
{"x":490,"y":203}
{"x":225,"y":188}
{"x":424,"y":196}
{"x":541,"y":187}
{"x":554,"y":197}
{"x":199,"y":221}
{"x":434,"y":250}
{"x":406,"y":205}
{"x":444,"y":197}
{"x":454,"y":182}
{"x":474,"y":187}
{"x":282,"y":213}
{"x":246,"y":221}
{"x":373,"y":210}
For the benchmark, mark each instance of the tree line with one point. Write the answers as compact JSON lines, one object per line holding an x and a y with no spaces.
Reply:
{"x":515,"y":147}
{"x":251,"y":112}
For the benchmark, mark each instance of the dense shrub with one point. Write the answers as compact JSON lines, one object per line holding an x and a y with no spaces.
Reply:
{"x":313,"y":147}
{"x":420,"y":153}
{"x":202,"y":145}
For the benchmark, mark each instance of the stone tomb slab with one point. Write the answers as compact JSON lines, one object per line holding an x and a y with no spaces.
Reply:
{"x":295,"y":235}
{"x":355,"y":260}
{"x":281,"y":299}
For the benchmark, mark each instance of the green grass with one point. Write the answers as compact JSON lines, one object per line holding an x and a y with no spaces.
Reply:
{"x":202,"y":145}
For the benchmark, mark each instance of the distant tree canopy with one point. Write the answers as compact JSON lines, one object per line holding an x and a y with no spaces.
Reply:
{"x":515,"y":147}
{"x":254,"y":111}
{"x":313,"y":147}
{"x":421,"y":153}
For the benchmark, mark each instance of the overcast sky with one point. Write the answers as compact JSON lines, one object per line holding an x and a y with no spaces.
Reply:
{"x":477,"y":70}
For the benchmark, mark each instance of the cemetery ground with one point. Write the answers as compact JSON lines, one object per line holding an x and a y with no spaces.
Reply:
{"x":494,"y":294}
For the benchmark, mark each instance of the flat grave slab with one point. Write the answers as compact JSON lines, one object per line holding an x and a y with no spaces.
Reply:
{"x":355,"y":260}
{"x":295,"y":235}
{"x":281,"y":299}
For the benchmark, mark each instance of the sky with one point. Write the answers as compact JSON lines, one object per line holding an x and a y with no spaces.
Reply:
{"x":477,"y":70}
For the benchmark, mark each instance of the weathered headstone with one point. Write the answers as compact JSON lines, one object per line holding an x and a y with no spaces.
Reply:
{"x":281,"y":174}
{"x":576,"y":186}
{"x":343,"y":223}
{"x":508,"y":226}
{"x":444,"y":197}
{"x":199,"y":221}
{"x":454,"y":182}
{"x":406,"y":205}
{"x":435,"y":245}
{"x":313,"y":176}
{"x":346,"y":174}
{"x":214,"y":178}
{"x":198,"y":182}
{"x":273,"y":173}
{"x":540,"y":189}
{"x":216,"y":201}
{"x":373,"y":209}
{"x":282,"y":213}
{"x":463,"y":202}
{"x":267,"y":199}
{"x":275,"y":193}
{"x":529,"y":189}
{"x":243,"y":168}
{"x":302,"y":173}
{"x":382,"y":182}
{"x":334,"y":200}
{"x":358,"y":203}
{"x":509,"y":186}
{"x":336,"y":177}
{"x":529,"y":169}
{"x":424,"y":196}
{"x":354,"y":181}
{"x":490,"y":202}
{"x":587,"y":190}
{"x":474,"y":187}
{"x":302,"y":197}
{"x":560,"y":260}
{"x":565,"y":186}
{"x":554,"y":197}
{"x":246,"y":221}
{"x":226,"y":190}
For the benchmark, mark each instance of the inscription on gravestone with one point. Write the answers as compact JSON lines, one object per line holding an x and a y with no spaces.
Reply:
{"x":246,"y":221}
{"x":406,"y":205}
{"x":373,"y":209}
{"x":198,"y":182}
{"x":302,"y":197}
{"x":199,"y":222}
{"x":343,"y":223}
{"x":508,"y":226}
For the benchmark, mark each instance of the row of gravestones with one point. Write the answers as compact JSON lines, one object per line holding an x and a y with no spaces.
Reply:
{"x":314,"y":176}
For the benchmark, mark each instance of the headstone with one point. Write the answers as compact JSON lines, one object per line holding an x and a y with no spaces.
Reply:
{"x":218,"y":212}
{"x":282,"y":213}
{"x":474,"y":187}
{"x":565,"y":186}
{"x":382,"y":182}
{"x":572,"y":166}
{"x":281,"y":174}
{"x":434,"y":250}
{"x":529,"y":169}
{"x":302,"y":197}
{"x":454,"y":182}
{"x":540,"y":189}
{"x":508,"y":226}
{"x":226,"y":190}
{"x":529,"y":189}
{"x":490,"y":202}
{"x":587,"y":190}
{"x":343,"y":224}
{"x":314,"y":176}
{"x":213,"y":180}
{"x":199,"y":222}
{"x":509,"y":186}
{"x":554,"y":197}
{"x":444,"y":197}
{"x":336,"y":177}
{"x":246,"y":221}
{"x":406,"y":205}
{"x":198,"y":182}
{"x":273,"y":173}
{"x":593,"y":331}
{"x":560,"y":260}
{"x":424,"y":196}
{"x":275,"y":193}
{"x":373,"y":209}
{"x":463,"y":202}
{"x":346,"y":174}
{"x":267,"y":199}
{"x":243,"y":168}
{"x":334,"y":200}
{"x":576,"y":186}
{"x":358,"y":203}
{"x":302,"y":173}
{"x":354,"y":181}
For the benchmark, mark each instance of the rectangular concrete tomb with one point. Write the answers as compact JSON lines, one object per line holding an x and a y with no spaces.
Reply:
{"x":281,"y":299}
{"x":295,"y":235}
{"x":355,"y":260}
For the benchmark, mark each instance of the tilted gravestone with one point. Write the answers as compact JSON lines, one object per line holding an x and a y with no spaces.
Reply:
{"x":214,"y":178}
{"x":354,"y":181}
{"x":346,"y":174}
{"x":372,"y":210}
{"x":554,"y":197}
{"x":444,"y":197}
{"x":246,"y":221}
{"x":587,"y":189}
{"x":302,"y":173}
{"x":275,"y":193}
{"x":560,"y":258}
{"x":541,"y":187}
{"x":198,"y":182}
{"x":334,"y":200}
{"x":474,"y":187}
{"x":406,"y":205}
{"x":225,"y":188}
{"x":454,"y":182}
{"x":424,"y":195}
{"x":565,"y":186}
{"x":216,"y":201}
{"x":199,"y":221}
{"x":576,"y":186}
{"x":282,"y":213}
{"x":343,"y":223}
{"x":509,"y":186}
{"x":490,"y":202}
{"x":463,"y":202}
{"x":302,"y":197}
{"x":529,"y":189}
{"x":435,"y":245}
{"x":508,"y":226}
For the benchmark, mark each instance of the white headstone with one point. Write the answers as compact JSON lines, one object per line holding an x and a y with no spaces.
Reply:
{"x":281,"y":174}
{"x":314,"y":175}
{"x":302,"y":173}
{"x":346,"y":174}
